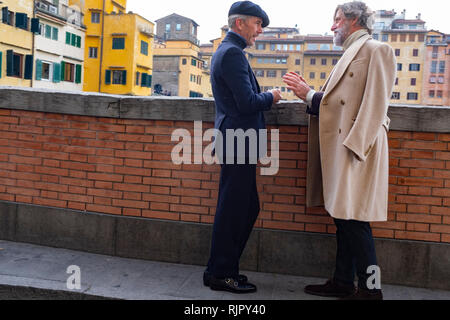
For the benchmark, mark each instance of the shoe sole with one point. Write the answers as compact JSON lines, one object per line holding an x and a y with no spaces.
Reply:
{"x":212,"y":287}
{"x":328,"y":295}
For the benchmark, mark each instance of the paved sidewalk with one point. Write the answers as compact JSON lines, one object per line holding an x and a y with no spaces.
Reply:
{"x":24,"y":265}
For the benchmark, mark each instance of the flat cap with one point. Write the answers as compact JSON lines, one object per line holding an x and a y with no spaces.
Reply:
{"x":249,"y":8}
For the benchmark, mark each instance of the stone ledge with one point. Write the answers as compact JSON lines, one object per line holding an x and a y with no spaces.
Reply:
{"x":404,"y":117}
{"x":411,"y":263}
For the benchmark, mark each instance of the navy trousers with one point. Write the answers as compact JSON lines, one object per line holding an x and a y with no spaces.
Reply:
{"x":355,"y":251}
{"x":236,"y":213}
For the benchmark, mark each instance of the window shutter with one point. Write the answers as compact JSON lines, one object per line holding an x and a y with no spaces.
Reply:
{"x":21,"y":20}
{"x":67,"y":37}
{"x":55,"y":34}
{"x":78,"y":42}
{"x":38,"y":69}
{"x":9,"y":63}
{"x":48,"y":32}
{"x":124,"y":77}
{"x":1,"y":64}
{"x":28,"y":67}
{"x":35,"y":25}
{"x":144,"y":80}
{"x":56,"y":72}
{"x":63,"y":70}
{"x":73,"y":40}
{"x":78,"y":74}
{"x":108,"y":77}
{"x":5,"y":14}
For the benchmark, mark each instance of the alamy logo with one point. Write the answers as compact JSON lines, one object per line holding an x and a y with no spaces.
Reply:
{"x":74,"y":280}
{"x":241,"y":147}
{"x":374,"y":281}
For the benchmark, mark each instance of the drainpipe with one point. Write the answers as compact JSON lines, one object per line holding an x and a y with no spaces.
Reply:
{"x":101,"y":48}
{"x":32,"y":45}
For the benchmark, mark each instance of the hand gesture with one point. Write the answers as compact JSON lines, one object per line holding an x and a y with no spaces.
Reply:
{"x":297,"y":84}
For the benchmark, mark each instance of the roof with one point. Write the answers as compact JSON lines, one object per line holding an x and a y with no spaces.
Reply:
{"x":408,"y":21}
{"x":174,"y":15}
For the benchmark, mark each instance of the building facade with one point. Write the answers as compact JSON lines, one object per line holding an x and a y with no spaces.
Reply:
{"x":17,"y":26}
{"x":59,"y":46}
{"x":118,"y":50}
{"x":436,"y":89}
{"x":179,"y":69}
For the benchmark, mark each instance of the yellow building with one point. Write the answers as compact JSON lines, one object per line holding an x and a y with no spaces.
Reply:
{"x":179,"y":69}
{"x":118,"y":49}
{"x":17,"y":25}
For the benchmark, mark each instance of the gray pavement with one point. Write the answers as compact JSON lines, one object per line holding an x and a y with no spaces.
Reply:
{"x":26,"y":269}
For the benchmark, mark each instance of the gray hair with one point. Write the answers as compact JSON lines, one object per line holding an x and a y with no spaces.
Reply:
{"x":232,"y":19}
{"x":358,"y":10}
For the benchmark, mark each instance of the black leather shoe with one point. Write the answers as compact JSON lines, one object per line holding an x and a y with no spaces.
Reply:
{"x":231,"y":285}
{"x":331,"y":289}
{"x":207,"y":276}
{"x":364,"y":294}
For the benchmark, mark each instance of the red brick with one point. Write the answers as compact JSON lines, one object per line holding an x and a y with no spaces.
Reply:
{"x":132,"y":212}
{"x":283,"y":225}
{"x":424,"y":136}
{"x":423,"y":227}
{"x":135,"y":137}
{"x":76,"y":206}
{"x":49,"y":202}
{"x":443,"y":155}
{"x":190,"y":217}
{"x":133,"y":154}
{"x":106,"y":127}
{"x":440,"y":210}
{"x":105,"y":177}
{"x":424,"y":145}
{"x":422,"y":154}
{"x":421,"y":172}
{"x":400,"y":153}
{"x":190,"y":192}
{"x":435,"y":164}
{"x":424,"y":218}
{"x":104,"y":193}
{"x":76,"y":197}
{"x":412,"y":235}
{"x":315,"y":228}
{"x":422,"y":191}
{"x":440,"y":228}
{"x":130,"y":204}
{"x":284,"y":208}
{"x":399,"y":135}
{"x":103,"y":209}
{"x":442,"y":174}
{"x":76,"y":182}
{"x":284,"y":190}
{"x":159,"y":206}
{"x":444,"y":137}
{"x":408,"y":181}
{"x":418,"y":208}
{"x":23,"y":191}
{"x":13,"y":120}
{"x":381,"y":233}
{"x":103,"y":201}
{"x":165,"y":215}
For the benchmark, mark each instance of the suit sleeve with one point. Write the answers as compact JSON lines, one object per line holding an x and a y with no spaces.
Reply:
{"x":315,"y":104}
{"x":375,"y":103}
{"x":236,"y":75}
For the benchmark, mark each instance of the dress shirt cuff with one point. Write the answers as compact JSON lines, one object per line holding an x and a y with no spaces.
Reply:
{"x":310,"y":96}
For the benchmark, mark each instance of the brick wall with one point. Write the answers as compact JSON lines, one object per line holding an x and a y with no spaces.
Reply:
{"x":123,"y":167}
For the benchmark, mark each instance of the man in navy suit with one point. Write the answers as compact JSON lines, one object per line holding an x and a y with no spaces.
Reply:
{"x":239,"y":105}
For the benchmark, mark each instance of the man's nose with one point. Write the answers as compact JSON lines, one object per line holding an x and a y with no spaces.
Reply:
{"x":333,"y":27}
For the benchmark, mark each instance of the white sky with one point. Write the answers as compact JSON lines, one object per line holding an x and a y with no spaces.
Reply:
{"x":311,"y":16}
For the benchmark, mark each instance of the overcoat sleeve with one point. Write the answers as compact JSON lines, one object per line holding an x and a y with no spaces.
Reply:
{"x":375,"y":102}
{"x":235,"y":71}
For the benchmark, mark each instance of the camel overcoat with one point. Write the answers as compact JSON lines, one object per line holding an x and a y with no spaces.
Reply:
{"x":348,"y":157}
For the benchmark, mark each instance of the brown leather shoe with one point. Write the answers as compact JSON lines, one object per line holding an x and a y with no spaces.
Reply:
{"x":331,"y":289}
{"x":364,"y":294}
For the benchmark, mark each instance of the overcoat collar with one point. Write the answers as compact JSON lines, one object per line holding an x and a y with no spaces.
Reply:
{"x":344,"y":62}
{"x":237,"y":39}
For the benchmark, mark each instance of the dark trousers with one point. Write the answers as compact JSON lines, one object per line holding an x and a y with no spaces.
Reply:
{"x":236,"y":213}
{"x":355,"y":251}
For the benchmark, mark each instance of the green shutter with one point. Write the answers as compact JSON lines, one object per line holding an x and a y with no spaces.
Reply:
{"x":1,"y":64}
{"x":5,"y":15}
{"x":35,"y":25}
{"x":55,"y":34}
{"x":149,"y":81}
{"x":56,"y":72}
{"x":38,"y":69}
{"x":108,"y":77}
{"x":9,"y":63}
{"x":78,"y":42}
{"x":73,"y":41}
{"x":28,"y":75}
{"x":78,"y":74}
{"x":63,"y":70}
{"x":67,"y":37}
{"x":48,"y":31}
{"x":124,"y":77}
{"x":144,"y":80}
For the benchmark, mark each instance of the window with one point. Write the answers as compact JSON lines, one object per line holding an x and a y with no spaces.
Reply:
{"x":118,"y":43}
{"x":335,"y":61}
{"x":95,"y":17}
{"x":396,"y":81}
{"x":393,"y":37}
{"x":412,"y":37}
{"x":324,"y":47}
{"x":48,"y":32}
{"x":412,"y":96}
{"x":375,"y":36}
{"x":194,"y":62}
{"x":415,"y":52}
{"x":119,"y":77}
{"x":260,"y":46}
{"x":271,"y":73}
{"x":395,"y":96}
{"x":184,"y":61}
{"x":312,"y":46}
{"x":433,"y":67}
{"x":399,"y":67}
{"x":67,"y":72}
{"x":45,"y":71}
{"x":403,"y":38}
{"x":14,"y":64}
{"x":432,"y":79}
{"x":55,"y":34}
{"x":138,"y":77}
{"x":178,"y":27}
{"x":259,"y":73}
{"x":144,"y":48}
{"x":297,"y":62}
{"x":168,"y":27}
{"x":312,"y":75}
{"x":440,"y":79}
{"x":414,"y":67}
{"x":73,"y":40}
{"x":431,"y":94}
{"x":93,"y":52}
{"x":413,"y":81}
{"x":421,"y":38}
{"x":323,"y":75}
{"x":385,"y":37}
{"x":312,"y":61}
{"x":324,"y":62}
{"x":397,"y":52}
{"x":193,"y":30}
{"x":441,"y":66}
{"x":439,"y":94}
{"x":272,"y":47}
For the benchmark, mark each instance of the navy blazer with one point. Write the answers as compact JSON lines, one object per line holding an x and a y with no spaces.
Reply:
{"x":238,"y":98}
